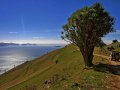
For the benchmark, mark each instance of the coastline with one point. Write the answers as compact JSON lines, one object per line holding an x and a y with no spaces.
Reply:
{"x":20,"y":59}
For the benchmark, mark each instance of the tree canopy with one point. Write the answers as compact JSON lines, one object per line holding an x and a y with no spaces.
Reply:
{"x":86,"y":27}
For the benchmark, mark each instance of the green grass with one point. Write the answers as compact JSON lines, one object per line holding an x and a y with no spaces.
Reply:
{"x":69,"y":70}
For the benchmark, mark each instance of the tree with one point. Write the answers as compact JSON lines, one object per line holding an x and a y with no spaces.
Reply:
{"x":115,"y":41}
{"x":101,"y":44}
{"x":86,"y":27}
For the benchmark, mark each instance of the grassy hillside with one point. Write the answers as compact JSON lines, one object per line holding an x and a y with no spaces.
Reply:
{"x":116,"y":46}
{"x":105,"y":51}
{"x":67,"y":74}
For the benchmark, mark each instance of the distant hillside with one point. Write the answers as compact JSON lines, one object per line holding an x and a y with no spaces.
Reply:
{"x":15,"y":44}
{"x":116,"y":46}
{"x":8,"y":44}
{"x":62,"y":69}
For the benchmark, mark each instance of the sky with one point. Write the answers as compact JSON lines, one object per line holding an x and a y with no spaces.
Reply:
{"x":41,"y":21}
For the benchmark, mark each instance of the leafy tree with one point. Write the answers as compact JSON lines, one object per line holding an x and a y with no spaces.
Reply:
{"x":86,"y":27}
{"x":101,"y":44}
{"x":115,"y":41}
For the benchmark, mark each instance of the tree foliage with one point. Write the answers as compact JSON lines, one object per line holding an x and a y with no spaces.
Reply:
{"x":86,"y":27}
{"x":115,"y":41}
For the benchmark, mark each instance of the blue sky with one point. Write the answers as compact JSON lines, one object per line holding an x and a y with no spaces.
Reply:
{"x":41,"y":21}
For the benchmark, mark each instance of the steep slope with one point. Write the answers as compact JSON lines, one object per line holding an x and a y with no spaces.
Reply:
{"x":58,"y":70}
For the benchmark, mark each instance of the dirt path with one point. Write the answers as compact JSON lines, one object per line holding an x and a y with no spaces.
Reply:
{"x":113,"y":80}
{"x":103,"y":56}
{"x":106,"y":57}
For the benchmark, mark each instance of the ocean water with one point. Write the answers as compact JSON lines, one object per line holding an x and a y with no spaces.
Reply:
{"x":11,"y":56}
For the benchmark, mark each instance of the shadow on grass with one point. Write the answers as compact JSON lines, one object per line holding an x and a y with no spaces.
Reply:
{"x":114,"y":69}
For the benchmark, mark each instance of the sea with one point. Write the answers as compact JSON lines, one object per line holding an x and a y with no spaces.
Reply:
{"x":12,"y":56}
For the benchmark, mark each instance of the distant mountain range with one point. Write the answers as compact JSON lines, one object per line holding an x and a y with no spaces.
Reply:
{"x":14,"y":44}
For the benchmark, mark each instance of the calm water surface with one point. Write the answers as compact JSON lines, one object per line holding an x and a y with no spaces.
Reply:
{"x":12,"y":56}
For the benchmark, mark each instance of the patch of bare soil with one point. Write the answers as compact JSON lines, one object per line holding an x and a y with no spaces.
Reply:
{"x":112,"y":80}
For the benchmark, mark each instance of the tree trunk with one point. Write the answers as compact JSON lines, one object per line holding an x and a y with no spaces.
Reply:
{"x":88,"y":60}
{"x":88,"y":57}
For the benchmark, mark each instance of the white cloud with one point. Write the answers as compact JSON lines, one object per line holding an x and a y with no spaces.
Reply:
{"x":45,"y":41}
{"x":108,"y":41}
